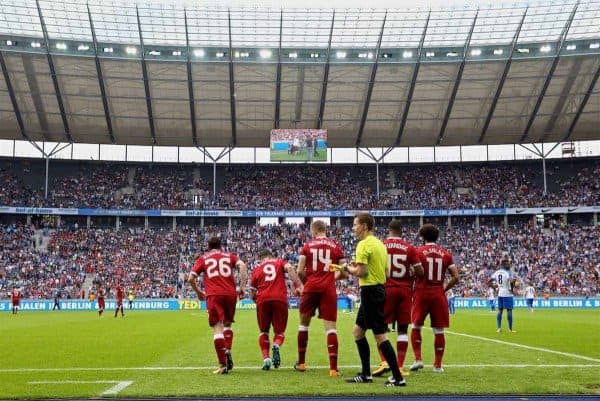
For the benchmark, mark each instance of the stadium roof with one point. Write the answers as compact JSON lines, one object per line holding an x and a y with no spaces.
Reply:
{"x":181,"y":75}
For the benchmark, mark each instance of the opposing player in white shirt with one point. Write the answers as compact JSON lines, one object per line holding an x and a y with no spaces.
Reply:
{"x":492,"y":299}
{"x":504,"y":281}
{"x":529,"y":295}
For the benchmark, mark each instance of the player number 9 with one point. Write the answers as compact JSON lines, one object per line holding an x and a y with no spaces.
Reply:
{"x":270,"y":272}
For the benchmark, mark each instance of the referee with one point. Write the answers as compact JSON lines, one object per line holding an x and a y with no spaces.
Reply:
{"x":370,"y":267}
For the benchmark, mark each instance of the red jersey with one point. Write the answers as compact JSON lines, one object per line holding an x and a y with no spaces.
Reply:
{"x":436,"y":261}
{"x":119,"y":293}
{"x":15,"y":296}
{"x":100,"y":294}
{"x":217,"y":267}
{"x":401,"y":256}
{"x":320,"y":253}
{"x":268,"y":279}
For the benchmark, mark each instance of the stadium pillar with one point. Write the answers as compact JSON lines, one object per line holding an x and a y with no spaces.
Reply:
{"x":214,"y":179}
{"x":449,"y":221}
{"x":202,"y":222}
{"x":544,"y":170}
{"x":477,"y":221}
{"x":88,"y":222}
{"x":595,"y":219}
{"x":118,"y":223}
{"x":229,"y":223}
{"x":174,"y":223}
{"x":420,"y":221}
{"x":28,"y":219}
{"x":377,"y":175}
{"x":145,"y":222}
{"x":505,"y":221}
{"x":47,"y":157}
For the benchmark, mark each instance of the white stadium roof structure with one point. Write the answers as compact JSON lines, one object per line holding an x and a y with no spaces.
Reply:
{"x":177,"y":74}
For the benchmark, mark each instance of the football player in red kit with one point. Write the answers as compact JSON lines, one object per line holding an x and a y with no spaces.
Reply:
{"x":101,"y":304}
{"x":120,"y":293}
{"x":221,"y":297}
{"x":269,"y":290}
{"x":15,"y":298}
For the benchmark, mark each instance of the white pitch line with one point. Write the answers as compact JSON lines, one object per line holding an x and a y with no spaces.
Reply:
{"x":550,"y":351}
{"x":114,"y":390}
{"x":257,"y":367}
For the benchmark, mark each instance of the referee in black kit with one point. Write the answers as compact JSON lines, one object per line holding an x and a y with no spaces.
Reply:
{"x":370,"y":267}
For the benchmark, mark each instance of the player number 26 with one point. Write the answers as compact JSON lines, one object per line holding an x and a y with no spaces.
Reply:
{"x":397,"y":267}
{"x":221,"y":268}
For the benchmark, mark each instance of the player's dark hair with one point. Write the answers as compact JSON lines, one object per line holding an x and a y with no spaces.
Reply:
{"x":319,"y":226}
{"x":429,"y":232}
{"x":366,"y":219}
{"x":264,"y":253}
{"x":395,"y":226}
{"x":214,"y":243}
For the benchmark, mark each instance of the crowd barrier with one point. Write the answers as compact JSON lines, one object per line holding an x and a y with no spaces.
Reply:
{"x":343,"y":303}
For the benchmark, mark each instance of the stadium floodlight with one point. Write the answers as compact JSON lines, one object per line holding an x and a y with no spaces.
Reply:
{"x":199,"y":53}
{"x":220,"y":54}
{"x":545,"y":49}
{"x":386,"y":55}
{"x":236,"y":54}
{"x":176,"y":53}
{"x":154,"y":53}
{"x":108,"y":50}
{"x":523,"y":50}
{"x":314,"y":55}
{"x":130,"y":50}
{"x":340,"y":54}
{"x":293,"y":55}
{"x":61,"y":46}
{"x":452,"y":54}
{"x":571,"y":47}
{"x":9,"y":43}
{"x":244,"y":54}
{"x":265,"y":53}
{"x":594,"y":45}
{"x":476,"y":52}
{"x":498,"y":52}
{"x":407,"y":54}
{"x":83,"y":48}
{"x":36,"y":44}
{"x":429,"y":54}
{"x":370,"y":55}
{"x":362,"y":55}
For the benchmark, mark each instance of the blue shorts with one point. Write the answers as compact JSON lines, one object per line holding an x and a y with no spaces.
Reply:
{"x":505,"y":303}
{"x":530,"y":302}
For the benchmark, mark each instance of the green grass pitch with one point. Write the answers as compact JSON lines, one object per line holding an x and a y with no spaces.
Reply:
{"x":76,"y":354}
{"x":282,"y":155}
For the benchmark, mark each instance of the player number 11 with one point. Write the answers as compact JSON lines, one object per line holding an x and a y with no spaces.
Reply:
{"x":438,"y":262}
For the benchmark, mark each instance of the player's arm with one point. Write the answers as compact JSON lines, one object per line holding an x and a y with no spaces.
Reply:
{"x":243,"y":268}
{"x":302,"y":268}
{"x":193,"y":280}
{"x":453,"y":277}
{"x":417,"y":269}
{"x":298,"y":287}
{"x":341,"y":274}
{"x":356,"y":269}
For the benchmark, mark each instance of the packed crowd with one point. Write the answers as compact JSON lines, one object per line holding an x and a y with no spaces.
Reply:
{"x":308,"y":187}
{"x":153,"y":262}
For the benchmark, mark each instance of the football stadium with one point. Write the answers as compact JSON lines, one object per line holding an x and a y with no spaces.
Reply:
{"x":299,"y":200}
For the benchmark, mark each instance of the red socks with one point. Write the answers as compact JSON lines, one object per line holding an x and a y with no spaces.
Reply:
{"x":439,"y":344}
{"x":220,"y":348}
{"x":228,"y":334}
{"x":415,"y":340}
{"x":265,"y":345}
{"x":302,"y":343}
{"x":332,"y":349}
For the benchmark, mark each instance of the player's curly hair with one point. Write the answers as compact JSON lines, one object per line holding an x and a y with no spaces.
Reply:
{"x":429,"y":232}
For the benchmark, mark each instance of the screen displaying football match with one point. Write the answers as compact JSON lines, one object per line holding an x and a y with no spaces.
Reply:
{"x":301,"y":145}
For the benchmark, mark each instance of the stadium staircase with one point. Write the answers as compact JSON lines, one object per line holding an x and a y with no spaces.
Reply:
{"x":131,"y":176}
{"x":88,"y":282}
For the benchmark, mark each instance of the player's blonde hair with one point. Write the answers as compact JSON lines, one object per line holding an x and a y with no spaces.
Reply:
{"x":318,"y":226}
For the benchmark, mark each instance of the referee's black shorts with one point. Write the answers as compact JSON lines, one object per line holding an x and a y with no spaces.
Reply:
{"x":370,"y":314}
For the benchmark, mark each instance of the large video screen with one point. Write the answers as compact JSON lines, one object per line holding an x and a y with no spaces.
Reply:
{"x":299,"y":145}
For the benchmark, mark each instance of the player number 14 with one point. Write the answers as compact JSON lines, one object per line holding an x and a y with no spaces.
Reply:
{"x":323,"y":256}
